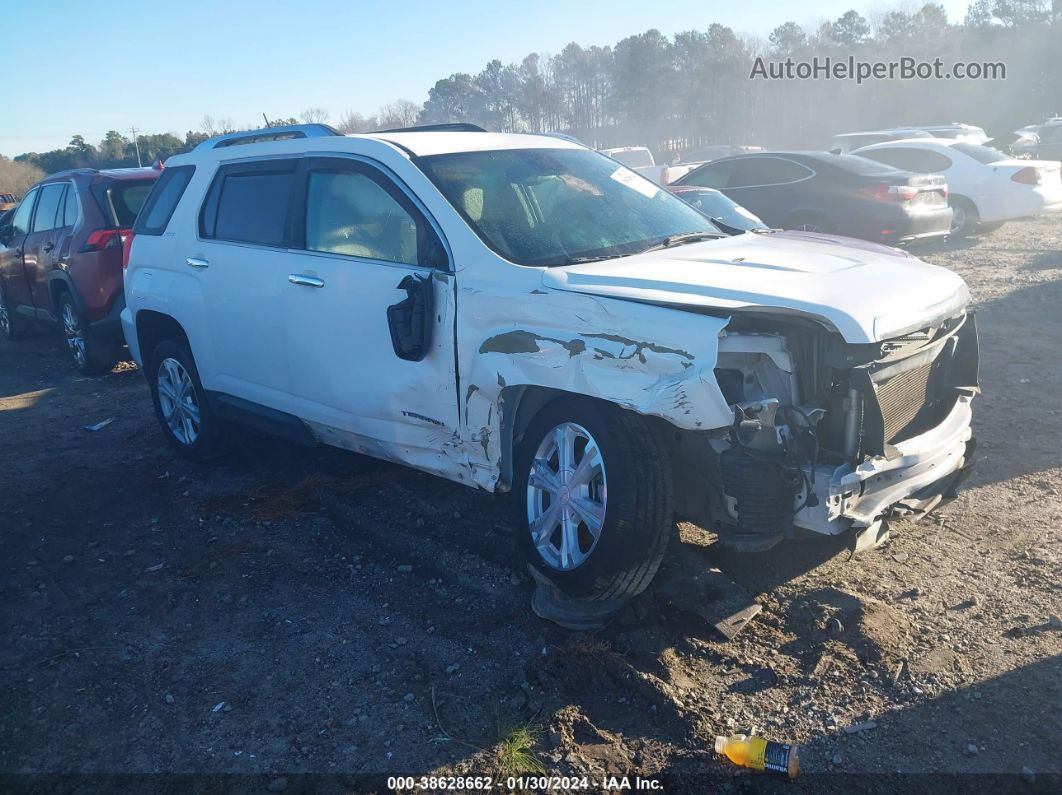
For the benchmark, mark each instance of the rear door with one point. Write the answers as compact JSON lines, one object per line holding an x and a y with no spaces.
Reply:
{"x":765,"y":186}
{"x":361,"y":236}
{"x":16,"y":288}
{"x":40,"y":249}
{"x":241,"y":262}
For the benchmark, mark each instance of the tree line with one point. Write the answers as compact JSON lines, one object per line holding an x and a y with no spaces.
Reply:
{"x":695,"y":88}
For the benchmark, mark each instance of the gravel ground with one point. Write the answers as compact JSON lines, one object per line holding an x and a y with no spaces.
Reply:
{"x":292,"y":611}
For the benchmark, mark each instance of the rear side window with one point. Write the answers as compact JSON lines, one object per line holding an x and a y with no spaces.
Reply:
{"x":48,"y":206}
{"x":921,"y":161}
{"x":248,"y":203}
{"x":715,"y":175}
{"x":767,"y":171}
{"x":162,"y":201}
{"x":982,"y":154}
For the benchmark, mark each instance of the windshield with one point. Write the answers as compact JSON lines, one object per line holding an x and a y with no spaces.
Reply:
{"x":721,"y":209}
{"x":982,"y":154}
{"x":558,"y":206}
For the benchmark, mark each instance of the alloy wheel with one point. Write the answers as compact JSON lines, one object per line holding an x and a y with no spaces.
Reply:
{"x":178,"y":401}
{"x":566,"y":496}
{"x":958,"y":218}
{"x":5,"y":321}
{"x":75,"y":336}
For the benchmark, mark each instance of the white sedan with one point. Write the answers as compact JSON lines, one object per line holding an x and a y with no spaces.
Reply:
{"x":986,"y":187}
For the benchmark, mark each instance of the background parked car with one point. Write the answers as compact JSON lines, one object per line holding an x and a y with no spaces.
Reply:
{"x":842,"y":194}
{"x":706,"y":154}
{"x":729,"y":216}
{"x":956,"y":131}
{"x":986,"y":187}
{"x":61,"y":260}
{"x":843,"y":143}
{"x":640,"y":159}
{"x":1040,"y":141}
{"x":7,"y":202}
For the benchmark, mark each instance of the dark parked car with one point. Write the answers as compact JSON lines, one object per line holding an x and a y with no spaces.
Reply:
{"x":61,"y":260}
{"x":730,"y":217}
{"x":835,"y":194}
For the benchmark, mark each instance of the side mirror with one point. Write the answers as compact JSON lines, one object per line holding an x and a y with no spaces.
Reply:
{"x":6,"y":234}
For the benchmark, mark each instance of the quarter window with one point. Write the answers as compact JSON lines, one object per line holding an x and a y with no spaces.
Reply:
{"x":162,"y":201}
{"x":70,"y":210}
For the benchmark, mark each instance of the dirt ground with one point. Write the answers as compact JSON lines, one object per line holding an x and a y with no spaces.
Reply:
{"x":290,"y":611}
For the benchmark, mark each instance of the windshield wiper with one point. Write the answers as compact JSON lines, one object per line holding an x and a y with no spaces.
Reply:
{"x":680,"y":240}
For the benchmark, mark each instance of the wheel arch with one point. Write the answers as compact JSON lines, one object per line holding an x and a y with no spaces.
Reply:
{"x":153,"y":327}
{"x":520,"y":405}
{"x":59,"y":282}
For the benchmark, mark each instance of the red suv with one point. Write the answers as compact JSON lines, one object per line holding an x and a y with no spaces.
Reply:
{"x":61,"y":260}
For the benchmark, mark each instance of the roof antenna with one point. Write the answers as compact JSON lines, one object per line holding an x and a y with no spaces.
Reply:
{"x":266,"y":120}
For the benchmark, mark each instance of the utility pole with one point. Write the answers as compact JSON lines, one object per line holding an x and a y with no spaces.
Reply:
{"x":136,"y":143}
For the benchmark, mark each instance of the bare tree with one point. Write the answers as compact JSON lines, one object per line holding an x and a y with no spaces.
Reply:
{"x":314,"y":116}
{"x":17,"y":177}
{"x":400,"y":113}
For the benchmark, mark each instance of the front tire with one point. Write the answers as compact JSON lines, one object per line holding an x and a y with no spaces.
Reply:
{"x":90,"y":354}
{"x":13,"y":326}
{"x":181,"y":407}
{"x":593,"y":499}
{"x":810,"y":222}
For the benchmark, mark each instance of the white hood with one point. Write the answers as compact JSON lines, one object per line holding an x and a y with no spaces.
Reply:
{"x":866,"y":293}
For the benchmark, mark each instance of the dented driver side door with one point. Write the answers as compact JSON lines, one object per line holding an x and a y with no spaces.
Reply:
{"x":369,"y":314}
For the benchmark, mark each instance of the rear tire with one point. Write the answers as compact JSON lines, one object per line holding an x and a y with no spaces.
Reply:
{"x":90,"y":354}
{"x":13,"y":326}
{"x":963,"y":216}
{"x":617,"y":475}
{"x":181,"y":407}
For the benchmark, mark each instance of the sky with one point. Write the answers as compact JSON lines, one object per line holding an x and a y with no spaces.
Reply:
{"x":89,"y":66}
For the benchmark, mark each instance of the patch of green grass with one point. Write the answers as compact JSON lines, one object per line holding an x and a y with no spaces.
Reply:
{"x":515,"y":751}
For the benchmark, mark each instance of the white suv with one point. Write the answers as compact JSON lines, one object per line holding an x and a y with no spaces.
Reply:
{"x":520,"y":313}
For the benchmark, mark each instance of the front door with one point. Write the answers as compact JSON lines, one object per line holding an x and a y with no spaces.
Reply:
{"x":358,"y":236}
{"x":16,"y":288}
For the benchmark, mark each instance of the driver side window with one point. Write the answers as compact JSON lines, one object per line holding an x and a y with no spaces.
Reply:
{"x":353,"y":211}
{"x":714,"y":175}
{"x":20,"y":221}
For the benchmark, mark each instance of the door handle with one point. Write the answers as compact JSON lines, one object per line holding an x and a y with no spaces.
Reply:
{"x":48,"y":246}
{"x":196,"y":262}
{"x":305,"y":281}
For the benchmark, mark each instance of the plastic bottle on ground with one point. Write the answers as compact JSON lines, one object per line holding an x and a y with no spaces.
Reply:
{"x":759,"y":754}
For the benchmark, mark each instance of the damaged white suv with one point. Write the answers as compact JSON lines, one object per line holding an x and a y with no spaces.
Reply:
{"x":520,"y":313}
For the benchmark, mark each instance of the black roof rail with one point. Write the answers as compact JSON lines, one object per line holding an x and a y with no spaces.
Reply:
{"x":460,"y":126}
{"x":269,"y":134}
